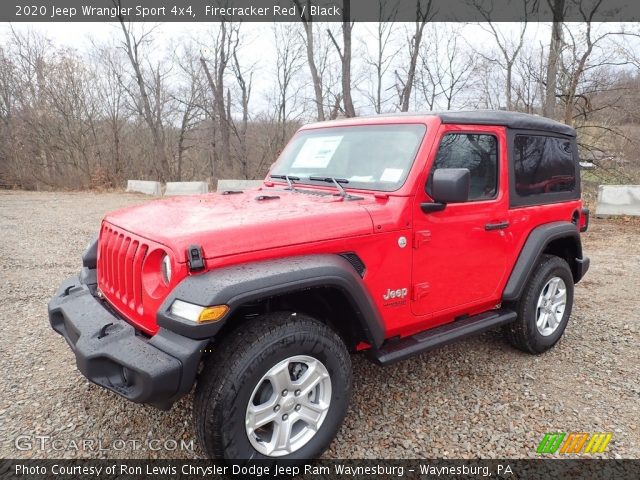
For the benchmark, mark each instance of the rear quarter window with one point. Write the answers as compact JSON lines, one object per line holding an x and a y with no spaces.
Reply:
{"x":543,"y":165}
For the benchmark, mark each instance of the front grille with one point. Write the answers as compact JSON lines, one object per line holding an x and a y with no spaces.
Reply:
{"x":120,"y":262}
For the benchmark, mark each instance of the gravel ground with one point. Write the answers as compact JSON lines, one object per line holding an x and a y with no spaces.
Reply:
{"x":477,"y":398}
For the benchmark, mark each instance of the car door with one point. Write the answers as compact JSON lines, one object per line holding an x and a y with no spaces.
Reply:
{"x":459,"y":252}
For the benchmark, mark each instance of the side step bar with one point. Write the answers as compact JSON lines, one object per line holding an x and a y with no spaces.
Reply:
{"x":395,"y":351}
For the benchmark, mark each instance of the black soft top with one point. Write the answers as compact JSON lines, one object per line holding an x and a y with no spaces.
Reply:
{"x":514,"y":120}
{"x":508,"y":119}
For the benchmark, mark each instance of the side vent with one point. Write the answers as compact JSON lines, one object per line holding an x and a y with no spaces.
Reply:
{"x":355,"y":262}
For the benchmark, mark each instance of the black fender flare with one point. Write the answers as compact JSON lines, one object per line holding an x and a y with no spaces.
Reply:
{"x":239,"y":284}
{"x":533,"y":248}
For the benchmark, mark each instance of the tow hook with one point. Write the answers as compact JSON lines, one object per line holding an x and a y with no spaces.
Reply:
{"x":103,"y":331}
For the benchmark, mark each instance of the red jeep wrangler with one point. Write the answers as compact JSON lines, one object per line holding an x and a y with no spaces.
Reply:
{"x":387,"y":235}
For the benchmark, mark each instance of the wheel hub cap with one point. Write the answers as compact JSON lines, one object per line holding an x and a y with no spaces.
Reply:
{"x":551,"y":305}
{"x":288,"y":406}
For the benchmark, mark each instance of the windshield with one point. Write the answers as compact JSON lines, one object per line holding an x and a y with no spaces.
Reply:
{"x":370,"y":157}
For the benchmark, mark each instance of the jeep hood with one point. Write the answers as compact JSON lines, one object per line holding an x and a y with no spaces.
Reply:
{"x":238,"y":223}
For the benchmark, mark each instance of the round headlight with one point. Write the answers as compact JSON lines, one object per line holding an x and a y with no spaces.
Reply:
{"x":166,"y":269}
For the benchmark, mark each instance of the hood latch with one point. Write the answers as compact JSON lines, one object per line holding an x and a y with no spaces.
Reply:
{"x":194,"y":256}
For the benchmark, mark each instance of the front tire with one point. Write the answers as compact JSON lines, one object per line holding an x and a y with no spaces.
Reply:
{"x":544,"y":308}
{"x":277,"y":387}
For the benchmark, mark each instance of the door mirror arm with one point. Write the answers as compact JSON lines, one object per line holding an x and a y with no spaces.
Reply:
{"x":428,"y":207}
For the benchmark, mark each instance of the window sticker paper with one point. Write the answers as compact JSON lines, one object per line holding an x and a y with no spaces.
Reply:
{"x":317,"y":152}
{"x":391,"y":175}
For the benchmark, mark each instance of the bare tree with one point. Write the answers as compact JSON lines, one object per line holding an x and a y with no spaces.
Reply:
{"x":220,"y":56}
{"x":244,"y":80}
{"x":489,"y":85}
{"x":31,"y":58}
{"x":86,"y":118}
{"x":381,"y":58}
{"x":289,"y":62}
{"x":132,"y":45}
{"x":555,"y":51}
{"x":10,"y":173}
{"x":110,"y":69}
{"x":189,"y":98}
{"x":71,"y":98}
{"x":345,"y":57}
{"x":316,"y":78}
{"x":528,"y":80}
{"x":330,"y":70}
{"x":579,"y":58}
{"x":509,"y":48}
{"x":405,"y":84}
{"x":445,"y":67}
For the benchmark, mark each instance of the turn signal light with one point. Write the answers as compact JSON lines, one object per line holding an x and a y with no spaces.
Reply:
{"x":213,"y":314}
{"x":197,"y":313}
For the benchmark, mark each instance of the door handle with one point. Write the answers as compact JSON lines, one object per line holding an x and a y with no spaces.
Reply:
{"x":496,"y":226}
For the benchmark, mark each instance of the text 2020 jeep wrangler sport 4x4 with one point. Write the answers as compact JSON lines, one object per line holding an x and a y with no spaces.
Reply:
{"x":388,"y":235}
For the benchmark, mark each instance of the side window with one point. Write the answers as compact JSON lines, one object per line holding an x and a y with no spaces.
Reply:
{"x":543,"y":165}
{"x":478,"y":153}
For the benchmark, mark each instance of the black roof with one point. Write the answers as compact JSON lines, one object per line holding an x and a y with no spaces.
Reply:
{"x":508,"y":119}
{"x":516,"y":120}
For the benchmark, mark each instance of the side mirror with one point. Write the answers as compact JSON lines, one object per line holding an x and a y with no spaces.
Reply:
{"x":449,"y":185}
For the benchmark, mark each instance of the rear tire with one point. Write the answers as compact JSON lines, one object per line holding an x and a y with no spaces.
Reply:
{"x":544,"y":308}
{"x":286,"y":369}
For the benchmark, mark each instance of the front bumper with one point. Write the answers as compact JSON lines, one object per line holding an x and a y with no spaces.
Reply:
{"x":111,"y":353}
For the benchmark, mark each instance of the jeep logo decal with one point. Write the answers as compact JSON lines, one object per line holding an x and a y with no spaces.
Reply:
{"x":399,"y":293}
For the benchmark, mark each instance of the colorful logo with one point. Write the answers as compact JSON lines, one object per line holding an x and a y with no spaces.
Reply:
{"x":574,"y":442}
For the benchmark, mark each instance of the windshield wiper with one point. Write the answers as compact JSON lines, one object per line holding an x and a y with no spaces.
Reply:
{"x":335,"y":181}
{"x":290,"y":179}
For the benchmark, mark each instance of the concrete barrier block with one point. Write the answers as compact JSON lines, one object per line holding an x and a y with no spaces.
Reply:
{"x":186,"y":188}
{"x":238,"y":185}
{"x":618,"y":200}
{"x":144,"y":186}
